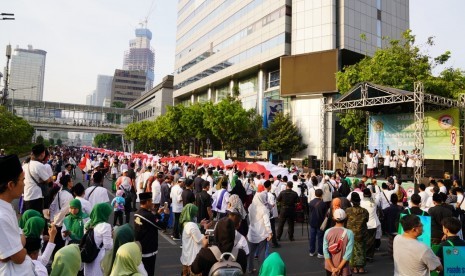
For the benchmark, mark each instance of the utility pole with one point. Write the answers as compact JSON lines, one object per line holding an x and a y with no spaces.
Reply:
{"x":4,"y":97}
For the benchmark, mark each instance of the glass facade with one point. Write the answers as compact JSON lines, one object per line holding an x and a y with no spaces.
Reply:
{"x":259,"y":24}
{"x":222,"y":93}
{"x":274,"y":78}
{"x":248,"y":92}
{"x":27,"y":72}
{"x":275,"y":95}
{"x":280,"y":39}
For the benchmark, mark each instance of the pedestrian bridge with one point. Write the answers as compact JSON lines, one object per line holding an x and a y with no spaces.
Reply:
{"x":48,"y":116}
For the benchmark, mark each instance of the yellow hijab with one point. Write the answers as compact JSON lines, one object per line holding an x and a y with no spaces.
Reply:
{"x":128,"y":258}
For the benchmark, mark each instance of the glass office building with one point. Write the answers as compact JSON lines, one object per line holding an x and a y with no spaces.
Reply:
{"x":141,"y":56}
{"x":255,"y":47}
{"x":27,"y":71}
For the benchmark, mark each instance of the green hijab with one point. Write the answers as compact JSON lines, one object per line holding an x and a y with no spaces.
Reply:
{"x":234,"y":180}
{"x":100,"y":213}
{"x":67,"y":261}
{"x":74,"y":223}
{"x":27,"y":215}
{"x":34,"y":227}
{"x":122,"y":235}
{"x":128,"y":258}
{"x":273,"y":266}
{"x":187,"y":215}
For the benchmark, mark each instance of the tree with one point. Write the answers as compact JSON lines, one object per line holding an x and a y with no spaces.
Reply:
{"x":400,"y":65}
{"x":115,"y":118}
{"x":40,"y":139}
{"x":59,"y":142}
{"x":51,"y":141}
{"x":282,"y":137}
{"x":15,"y":132}
{"x":109,"y":141}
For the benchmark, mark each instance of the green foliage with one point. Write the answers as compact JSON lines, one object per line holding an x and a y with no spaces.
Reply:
{"x":15,"y":132}
{"x":59,"y":142}
{"x":400,"y":65}
{"x":282,"y":137}
{"x":115,"y":118}
{"x":51,"y":141}
{"x":40,"y":139}
{"x":109,"y":141}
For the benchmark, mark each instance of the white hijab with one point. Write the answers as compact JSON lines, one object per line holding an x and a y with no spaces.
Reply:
{"x":258,"y":208}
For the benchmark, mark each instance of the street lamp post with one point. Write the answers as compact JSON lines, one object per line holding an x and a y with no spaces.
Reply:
{"x":5,"y":87}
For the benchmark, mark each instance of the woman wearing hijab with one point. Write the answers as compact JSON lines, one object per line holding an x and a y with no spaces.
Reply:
{"x":235,"y":203}
{"x":224,"y":238}
{"x":273,"y":266}
{"x":121,"y":235}
{"x":102,"y":236}
{"x":27,"y":215}
{"x":237,"y":187}
{"x":67,"y":261}
{"x":127,"y":261}
{"x":73,"y":225}
{"x":192,"y":238}
{"x":34,"y":227}
{"x":259,"y":230}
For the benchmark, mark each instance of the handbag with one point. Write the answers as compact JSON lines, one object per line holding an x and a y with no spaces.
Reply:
{"x":325,"y":221}
{"x":337,"y":246}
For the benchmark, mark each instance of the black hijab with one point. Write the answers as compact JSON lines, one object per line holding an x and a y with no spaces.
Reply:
{"x":239,"y":190}
{"x":225,"y":234}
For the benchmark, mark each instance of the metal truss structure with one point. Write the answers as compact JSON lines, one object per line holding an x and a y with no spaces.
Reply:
{"x":371,"y":97}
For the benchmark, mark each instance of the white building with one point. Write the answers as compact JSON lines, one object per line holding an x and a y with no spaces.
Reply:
{"x":278,"y":49}
{"x":27,"y":72}
{"x":103,"y":90}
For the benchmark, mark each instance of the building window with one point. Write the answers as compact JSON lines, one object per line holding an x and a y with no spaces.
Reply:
{"x":202,"y":98}
{"x":222,"y":93}
{"x":273,"y":79}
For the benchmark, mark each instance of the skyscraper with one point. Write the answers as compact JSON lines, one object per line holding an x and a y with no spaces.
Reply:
{"x":286,"y":50}
{"x":27,"y":71}
{"x":103,"y":90}
{"x":127,"y":85}
{"x":141,"y":56}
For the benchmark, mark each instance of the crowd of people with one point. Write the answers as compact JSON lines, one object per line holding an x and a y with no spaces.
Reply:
{"x":215,"y":213}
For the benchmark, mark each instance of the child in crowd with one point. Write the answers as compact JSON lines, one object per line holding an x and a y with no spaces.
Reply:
{"x":118,"y":207}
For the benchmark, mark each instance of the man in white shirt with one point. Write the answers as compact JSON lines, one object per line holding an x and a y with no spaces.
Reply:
{"x":424,"y":196}
{"x":271,"y":202}
{"x":97,"y":193}
{"x":156,"y":191}
{"x":36,"y":174}
{"x":385,"y":195}
{"x":177,"y":205}
{"x":15,"y":261}
{"x":220,"y":200}
{"x":67,"y":171}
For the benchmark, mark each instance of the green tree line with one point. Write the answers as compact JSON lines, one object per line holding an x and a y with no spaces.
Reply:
{"x":226,"y":125}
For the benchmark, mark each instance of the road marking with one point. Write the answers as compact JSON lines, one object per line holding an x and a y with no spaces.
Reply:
{"x":168,"y":239}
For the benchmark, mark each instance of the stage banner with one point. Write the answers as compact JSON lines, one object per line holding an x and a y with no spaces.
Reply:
{"x":453,"y":260}
{"x":426,"y":235}
{"x":270,"y":109}
{"x":397,"y":131}
{"x":221,"y":154}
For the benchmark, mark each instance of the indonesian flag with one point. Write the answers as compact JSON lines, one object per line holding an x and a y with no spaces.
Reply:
{"x":84,"y":165}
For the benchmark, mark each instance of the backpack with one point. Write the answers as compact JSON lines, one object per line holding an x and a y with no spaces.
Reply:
{"x":337,"y":246}
{"x":89,"y":250}
{"x":225,"y":267}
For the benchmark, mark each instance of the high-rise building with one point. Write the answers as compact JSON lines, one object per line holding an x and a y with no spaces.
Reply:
{"x":27,"y":71}
{"x":286,"y":50}
{"x":103,"y":90}
{"x":141,"y":56}
{"x":127,"y":85}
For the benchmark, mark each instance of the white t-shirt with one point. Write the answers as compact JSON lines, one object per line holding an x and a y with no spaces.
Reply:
{"x":224,"y":204}
{"x":86,"y":207}
{"x":191,"y":243}
{"x":10,"y":243}
{"x":176,"y":199}
{"x":412,"y":257}
{"x":424,"y":198}
{"x":156,"y":192}
{"x":60,"y":204}
{"x":98,"y":195}
{"x":241,"y":243}
{"x":31,"y":190}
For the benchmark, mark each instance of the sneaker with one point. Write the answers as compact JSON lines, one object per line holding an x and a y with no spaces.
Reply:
{"x":180,"y":246}
{"x":176,"y":239}
{"x":320,"y":256}
{"x":312,"y":254}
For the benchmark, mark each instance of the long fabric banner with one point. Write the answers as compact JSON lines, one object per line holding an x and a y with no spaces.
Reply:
{"x":453,"y":260}
{"x":397,"y":131}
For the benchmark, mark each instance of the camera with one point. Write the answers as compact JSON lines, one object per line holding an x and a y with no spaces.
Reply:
{"x":210,"y":233}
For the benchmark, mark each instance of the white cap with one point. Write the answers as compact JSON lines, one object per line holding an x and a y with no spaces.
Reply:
{"x":339,"y":215}
{"x":124,"y":170}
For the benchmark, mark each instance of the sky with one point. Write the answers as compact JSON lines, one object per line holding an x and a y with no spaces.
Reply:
{"x":88,"y":37}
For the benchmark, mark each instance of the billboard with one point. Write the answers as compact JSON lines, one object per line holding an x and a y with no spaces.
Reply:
{"x":256,"y":154}
{"x":270,"y":109}
{"x":397,"y":131}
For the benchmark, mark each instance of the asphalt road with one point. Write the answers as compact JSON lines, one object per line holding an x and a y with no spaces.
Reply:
{"x":294,"y":254}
